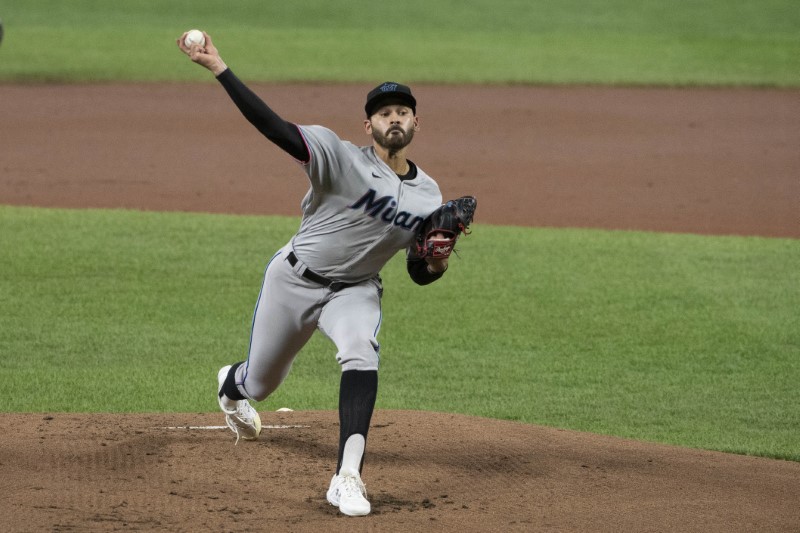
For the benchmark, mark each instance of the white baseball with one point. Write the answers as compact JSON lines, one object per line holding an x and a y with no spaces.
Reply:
{"x":194,"y":37}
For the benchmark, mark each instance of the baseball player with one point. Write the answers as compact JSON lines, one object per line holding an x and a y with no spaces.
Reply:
{"x":364,"y":205}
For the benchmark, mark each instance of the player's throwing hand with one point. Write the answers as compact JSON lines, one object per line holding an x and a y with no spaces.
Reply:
{"x":207,"y":56}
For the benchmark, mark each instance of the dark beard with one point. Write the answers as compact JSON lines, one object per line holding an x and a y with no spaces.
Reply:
{"x":393,"y":143}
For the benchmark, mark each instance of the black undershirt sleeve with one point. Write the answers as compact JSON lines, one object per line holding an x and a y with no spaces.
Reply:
{"x":284,"y":134}
{"x":416,"y":266}
{"x":418,"y":270}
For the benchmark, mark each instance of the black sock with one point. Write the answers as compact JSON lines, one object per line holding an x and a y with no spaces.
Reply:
{"x":229,"y":387}
{"x":357,"y":392}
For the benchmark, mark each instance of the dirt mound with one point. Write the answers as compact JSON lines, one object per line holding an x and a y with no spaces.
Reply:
{"x":425,"y":471}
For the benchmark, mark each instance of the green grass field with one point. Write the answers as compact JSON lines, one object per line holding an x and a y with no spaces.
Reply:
{"x":673,"y":338}
{"x":684,"y":42}
{"x":679,"y":339}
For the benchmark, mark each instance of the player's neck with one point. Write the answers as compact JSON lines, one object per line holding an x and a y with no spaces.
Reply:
{"x":396,"y":160}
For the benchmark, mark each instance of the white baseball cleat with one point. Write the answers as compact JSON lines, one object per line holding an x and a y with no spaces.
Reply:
{"x":348,"y":493}
{"x":242,"y":419}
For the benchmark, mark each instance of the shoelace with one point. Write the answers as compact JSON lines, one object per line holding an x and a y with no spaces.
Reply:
{"x":352,"y":486}
{"x":236,"y":430}
{"x":242,"y":412}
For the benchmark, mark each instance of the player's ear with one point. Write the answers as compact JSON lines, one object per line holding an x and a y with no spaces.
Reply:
{"x":416,"y":123}
{"x":368,"y":126}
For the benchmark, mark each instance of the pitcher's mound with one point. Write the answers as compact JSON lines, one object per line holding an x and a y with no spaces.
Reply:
{"x":424,"y":472}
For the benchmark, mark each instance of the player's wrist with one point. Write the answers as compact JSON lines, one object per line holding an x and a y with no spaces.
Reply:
{"x":437,"y":266}
{"x":218,"y":67}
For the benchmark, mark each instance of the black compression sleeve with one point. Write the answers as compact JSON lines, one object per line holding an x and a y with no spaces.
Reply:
{"x":284,"y":134}
{"x":418,"y":270}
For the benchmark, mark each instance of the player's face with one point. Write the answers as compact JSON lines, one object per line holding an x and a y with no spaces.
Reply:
{"x":393,"y":126}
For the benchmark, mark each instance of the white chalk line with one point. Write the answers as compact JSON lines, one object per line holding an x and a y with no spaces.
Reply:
{"x":226,"y":427}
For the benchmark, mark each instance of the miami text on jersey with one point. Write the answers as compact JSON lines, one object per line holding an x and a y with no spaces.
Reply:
{"x":386,"y":207}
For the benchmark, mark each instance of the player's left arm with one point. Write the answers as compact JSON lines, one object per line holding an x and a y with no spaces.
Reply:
{"x":424,"y":271}
{"x":427,"y":260}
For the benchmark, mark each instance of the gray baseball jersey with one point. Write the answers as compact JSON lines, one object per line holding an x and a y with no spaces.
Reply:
{"x":358,"y":213}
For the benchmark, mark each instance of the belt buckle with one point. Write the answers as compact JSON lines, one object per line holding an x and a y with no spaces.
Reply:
{"x":336,"y":286}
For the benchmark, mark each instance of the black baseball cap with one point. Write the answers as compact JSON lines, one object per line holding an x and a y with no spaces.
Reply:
{"x":390,"y":90}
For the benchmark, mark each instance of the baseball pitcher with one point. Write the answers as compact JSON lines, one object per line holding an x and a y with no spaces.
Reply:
{"x":364,"y":204}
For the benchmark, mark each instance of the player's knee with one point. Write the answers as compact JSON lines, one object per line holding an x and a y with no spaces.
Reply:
{"x":259,"y":390}
{"x":362,"y":355}
{"x":360,"y":364}
{"x":260,"y":395}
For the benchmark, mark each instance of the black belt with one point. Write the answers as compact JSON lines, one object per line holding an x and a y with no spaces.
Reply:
{"x":335,"y":286}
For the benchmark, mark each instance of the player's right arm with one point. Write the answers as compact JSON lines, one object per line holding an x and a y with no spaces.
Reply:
{"x":284,"y":134}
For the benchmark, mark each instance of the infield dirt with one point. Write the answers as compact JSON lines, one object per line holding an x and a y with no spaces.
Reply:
{"x":710,"y":161}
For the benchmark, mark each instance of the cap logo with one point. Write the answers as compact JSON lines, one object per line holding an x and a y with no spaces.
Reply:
{"x":388,"y":87}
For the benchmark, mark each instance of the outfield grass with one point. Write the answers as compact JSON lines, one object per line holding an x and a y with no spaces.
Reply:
{"x":684,"y":42}
{"x":682,"y":339}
